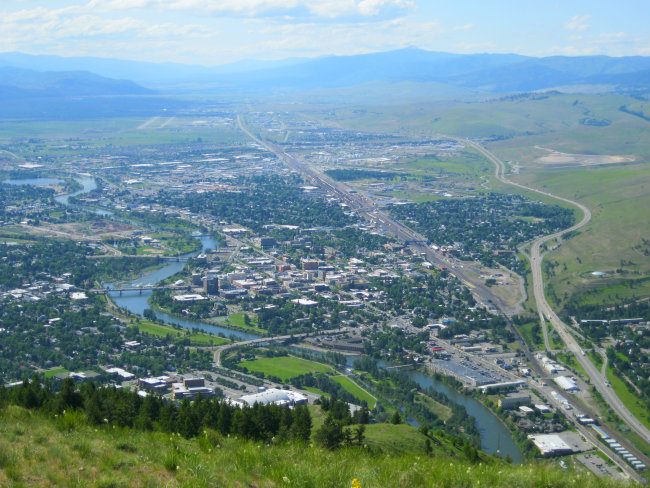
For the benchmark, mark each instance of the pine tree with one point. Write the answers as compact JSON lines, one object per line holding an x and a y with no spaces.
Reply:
{"x":396,"y":418}
{"x":359,"y":434}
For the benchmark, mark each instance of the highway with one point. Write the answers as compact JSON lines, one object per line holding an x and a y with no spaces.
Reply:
{"x":598,"y":380}
{"x":366,"y":208}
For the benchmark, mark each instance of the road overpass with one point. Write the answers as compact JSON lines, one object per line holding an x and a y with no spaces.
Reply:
{"x":269,"y":340}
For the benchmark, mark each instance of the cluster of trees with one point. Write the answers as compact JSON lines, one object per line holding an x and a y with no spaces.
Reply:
{"x":629,"y":359}
{"x":394,"y":342}
{"x":621,"y":310}
{"x":337,"y":428}
{"x":45,"y":259}
{"x":628,"y":356}
{"x":172,"y":244}
{"x":110,"y":406}
{"x":156,"y":221}
{"x":349,"y":241}
{"x":292,"y":318}
{"x":428,"y":295}
{"x":163,"y":299}
{"x":477,"y":228}
{"x":401,"y":390}
{"x":20,"y":202}
{"x":326,"y":384}
{"x":80,"y":338}
{"x":263,"y":200}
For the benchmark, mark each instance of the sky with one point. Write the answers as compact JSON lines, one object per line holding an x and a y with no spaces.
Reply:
{"x":213,"y":32}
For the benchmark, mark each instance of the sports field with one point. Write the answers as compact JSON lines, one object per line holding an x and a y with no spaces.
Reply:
{"x":285,"y":367}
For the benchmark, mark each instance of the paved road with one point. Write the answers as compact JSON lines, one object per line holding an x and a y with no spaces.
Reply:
{"x":546,"y":312}
{"x":265,"y":340}
{"x":366,"y":208}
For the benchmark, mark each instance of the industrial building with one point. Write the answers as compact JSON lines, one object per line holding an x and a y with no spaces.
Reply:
{"x":567,"y":383}
{"x":466,"y":373}
{"x":514,"y":400}
{"x":550,"y":444}
{"x":273,"y":395}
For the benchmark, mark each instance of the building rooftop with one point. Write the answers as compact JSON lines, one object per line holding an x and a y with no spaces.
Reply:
{"x":550,"y":444}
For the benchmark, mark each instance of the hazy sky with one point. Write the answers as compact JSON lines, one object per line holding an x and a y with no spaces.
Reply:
{"x":220,"y":31}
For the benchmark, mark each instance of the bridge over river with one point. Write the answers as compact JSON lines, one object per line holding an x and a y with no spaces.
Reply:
{"x":105,"y":291}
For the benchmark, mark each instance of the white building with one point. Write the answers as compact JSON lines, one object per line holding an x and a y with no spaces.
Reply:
{"x":550,"y":444}
{"x":273,"y":395}
{"x":567,"y":383}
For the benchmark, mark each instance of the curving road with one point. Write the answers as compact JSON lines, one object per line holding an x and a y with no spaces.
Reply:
{"x":598,"y":380}
{"x":365,"y":207}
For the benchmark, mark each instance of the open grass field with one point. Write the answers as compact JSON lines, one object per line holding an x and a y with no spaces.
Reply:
{"x":355,"y":390}
{"x":237,"y":320}
{"x":389,"y":438}
{"x":631,"y":401}
{"x":285,"y":367}
{"x":66,"y":138}
{"x":51,"y":372}
{"x":532,"y":335}
{"x":442,"y":411}
{"x":616,"y":241}
{"x":35,"y":451}
{"x":196,"y":338}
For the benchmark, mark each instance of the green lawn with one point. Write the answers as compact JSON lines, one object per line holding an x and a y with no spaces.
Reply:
{"x":285,"y":367}
{"x":195,"y":337}
{"x":442,"y":411}
{"x":631,"y":401}
{"x":237,"y":320}
{"x":315,"y":390}
{"x":355,"y":390}
{"x":532,"y":339}
{"x":51,"y":372}
{"x":596,"y":358}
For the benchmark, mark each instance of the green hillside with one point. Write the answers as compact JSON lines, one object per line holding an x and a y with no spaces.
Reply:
{"x":39,"y":451}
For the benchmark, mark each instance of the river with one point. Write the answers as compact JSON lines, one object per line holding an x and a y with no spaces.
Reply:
{"x":495,"y":437}
{"x":136,"y":301}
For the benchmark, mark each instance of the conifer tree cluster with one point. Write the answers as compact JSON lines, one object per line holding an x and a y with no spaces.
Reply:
{"x":124,"y":408}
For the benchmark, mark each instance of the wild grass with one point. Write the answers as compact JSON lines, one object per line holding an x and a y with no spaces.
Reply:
{"x":156,"y":459}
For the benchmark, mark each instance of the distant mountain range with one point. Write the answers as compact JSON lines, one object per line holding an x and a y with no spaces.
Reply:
{"x":478,"y":72}
{"x":406,"y":72}
{"x":19,"y":82}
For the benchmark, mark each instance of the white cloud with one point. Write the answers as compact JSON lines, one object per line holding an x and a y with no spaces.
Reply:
{"x":578,"y":23}
{"x":321,"y":8}
{"x":463,"y":27}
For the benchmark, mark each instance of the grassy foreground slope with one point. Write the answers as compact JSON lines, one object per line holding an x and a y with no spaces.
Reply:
{"x":36,"y":451}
